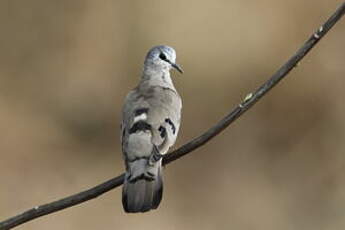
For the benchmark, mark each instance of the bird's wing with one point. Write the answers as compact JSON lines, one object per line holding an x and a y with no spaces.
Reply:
{"x":151,"y":118}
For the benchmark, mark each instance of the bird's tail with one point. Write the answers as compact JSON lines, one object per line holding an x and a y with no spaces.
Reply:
{"x":143,"y":186}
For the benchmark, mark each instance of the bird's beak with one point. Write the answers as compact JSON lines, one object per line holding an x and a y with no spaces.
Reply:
{"x":177,"y":67}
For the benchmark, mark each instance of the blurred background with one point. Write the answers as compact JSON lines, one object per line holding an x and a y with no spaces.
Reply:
{"x":66,"y":66}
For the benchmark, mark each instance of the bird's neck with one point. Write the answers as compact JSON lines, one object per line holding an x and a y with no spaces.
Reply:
{"x":157,"y":77}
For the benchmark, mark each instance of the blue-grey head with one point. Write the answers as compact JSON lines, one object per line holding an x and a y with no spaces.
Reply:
{"x":162,"y":57}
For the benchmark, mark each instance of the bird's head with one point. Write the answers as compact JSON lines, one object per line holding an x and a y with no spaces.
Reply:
{"x":162,"y":57}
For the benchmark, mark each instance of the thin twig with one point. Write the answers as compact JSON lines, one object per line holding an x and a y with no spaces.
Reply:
{"x":247,"y":103}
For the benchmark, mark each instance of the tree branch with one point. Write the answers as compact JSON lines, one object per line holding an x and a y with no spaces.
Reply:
{"x":247,"y":103}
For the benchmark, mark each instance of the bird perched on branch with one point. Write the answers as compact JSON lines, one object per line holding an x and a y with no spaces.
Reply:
{"x":150,"y":123}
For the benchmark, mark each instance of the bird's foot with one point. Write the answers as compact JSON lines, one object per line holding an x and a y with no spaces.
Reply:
{"x":156,"y":156}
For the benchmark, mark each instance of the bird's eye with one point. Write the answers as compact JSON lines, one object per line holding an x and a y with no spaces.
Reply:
{"x":163,"y":57}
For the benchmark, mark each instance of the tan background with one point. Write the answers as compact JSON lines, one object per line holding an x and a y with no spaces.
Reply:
{"x":65,"y":67}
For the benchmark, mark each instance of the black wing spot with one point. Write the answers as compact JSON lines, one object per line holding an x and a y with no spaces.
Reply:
{"x":163,"y":131}
{"x":167,"y":120}
{"x":140,"y":111}
{"x":140,"y":126}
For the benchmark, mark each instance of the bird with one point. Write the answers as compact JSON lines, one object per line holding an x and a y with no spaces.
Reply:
{"x":151,"y":117}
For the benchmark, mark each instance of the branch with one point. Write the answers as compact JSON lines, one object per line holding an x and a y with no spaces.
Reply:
{"x":247,"y":103}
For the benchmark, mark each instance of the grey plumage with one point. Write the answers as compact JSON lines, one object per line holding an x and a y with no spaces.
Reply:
{"x":151,"y":120}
